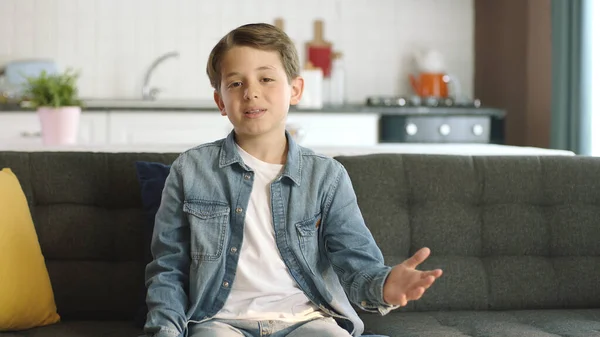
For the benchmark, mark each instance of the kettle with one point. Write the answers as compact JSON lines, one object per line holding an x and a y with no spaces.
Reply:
{"x":432,"y":80}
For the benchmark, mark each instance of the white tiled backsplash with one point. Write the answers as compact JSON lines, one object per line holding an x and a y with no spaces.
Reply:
{"x":112,"y":42}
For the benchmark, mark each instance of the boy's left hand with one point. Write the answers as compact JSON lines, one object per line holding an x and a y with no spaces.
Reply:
{"x":406,"y":283}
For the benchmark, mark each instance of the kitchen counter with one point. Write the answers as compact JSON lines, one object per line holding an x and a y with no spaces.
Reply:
{"x":132,"y":105}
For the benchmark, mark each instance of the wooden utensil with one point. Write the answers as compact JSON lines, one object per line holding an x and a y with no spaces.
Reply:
{"x":279,"y":23}
{"x":318,"y":51}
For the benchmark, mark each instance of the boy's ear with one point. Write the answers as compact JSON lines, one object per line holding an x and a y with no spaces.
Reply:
{"x":220,"y":104}
{"x":297,"y":90}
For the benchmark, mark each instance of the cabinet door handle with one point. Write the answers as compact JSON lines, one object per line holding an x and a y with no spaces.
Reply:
{"x":26,"y":134}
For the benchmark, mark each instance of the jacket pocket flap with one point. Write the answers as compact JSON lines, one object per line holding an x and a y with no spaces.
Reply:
{"x":310,"y":226}
{"x":205,"y":209}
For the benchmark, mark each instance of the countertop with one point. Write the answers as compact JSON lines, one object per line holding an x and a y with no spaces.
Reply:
{"x":132,"y":105}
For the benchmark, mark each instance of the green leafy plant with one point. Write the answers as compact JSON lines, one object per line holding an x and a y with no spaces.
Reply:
{"x":53,"y":90}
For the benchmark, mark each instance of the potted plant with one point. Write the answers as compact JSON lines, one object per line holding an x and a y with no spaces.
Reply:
{"x":55,"y":97}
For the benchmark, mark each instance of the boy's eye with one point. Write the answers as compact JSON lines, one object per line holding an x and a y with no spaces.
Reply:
{"x":266,"y":79}
{"x":235,"y":84}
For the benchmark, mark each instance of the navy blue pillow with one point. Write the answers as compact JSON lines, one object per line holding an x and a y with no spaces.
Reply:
{"x":152,"y":177}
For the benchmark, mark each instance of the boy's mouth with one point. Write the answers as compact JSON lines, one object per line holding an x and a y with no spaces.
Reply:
{"x":255,"y":112}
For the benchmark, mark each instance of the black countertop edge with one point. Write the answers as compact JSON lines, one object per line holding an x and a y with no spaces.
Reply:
{"x":346,"y":108}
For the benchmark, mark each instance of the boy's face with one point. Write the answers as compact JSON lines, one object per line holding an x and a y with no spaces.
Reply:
{"x":255,"y":92}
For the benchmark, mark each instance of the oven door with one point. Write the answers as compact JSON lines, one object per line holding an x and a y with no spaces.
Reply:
{"x":434,"y":129}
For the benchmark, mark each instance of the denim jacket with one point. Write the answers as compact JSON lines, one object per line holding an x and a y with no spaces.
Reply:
{"x":318,"y":226}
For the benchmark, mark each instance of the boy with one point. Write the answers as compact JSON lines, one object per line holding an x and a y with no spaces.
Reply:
{"x":257,"y":236}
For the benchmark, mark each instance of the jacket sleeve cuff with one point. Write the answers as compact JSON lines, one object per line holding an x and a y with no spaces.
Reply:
{"x":374,"y":301}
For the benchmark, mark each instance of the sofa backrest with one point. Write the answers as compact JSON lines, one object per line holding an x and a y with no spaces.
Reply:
{"x":88,"y":215}
{"x":509,"y":232}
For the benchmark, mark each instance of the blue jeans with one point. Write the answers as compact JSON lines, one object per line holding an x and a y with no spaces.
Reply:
{"x":320,"y":327}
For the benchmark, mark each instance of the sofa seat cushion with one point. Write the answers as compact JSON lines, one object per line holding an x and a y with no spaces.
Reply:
{"x":521,"y":323}
{"x":81,"y":329}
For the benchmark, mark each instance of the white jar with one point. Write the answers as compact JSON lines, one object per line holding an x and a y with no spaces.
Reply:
{"x":312,"y":97}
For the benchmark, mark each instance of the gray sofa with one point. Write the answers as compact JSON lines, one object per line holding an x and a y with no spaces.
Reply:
{"x":518,"y":239}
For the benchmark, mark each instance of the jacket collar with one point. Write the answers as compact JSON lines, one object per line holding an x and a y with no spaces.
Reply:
{"x":293,"y":166}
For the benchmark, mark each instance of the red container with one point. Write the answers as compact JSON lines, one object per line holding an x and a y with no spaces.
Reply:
{"x":319,"y":51}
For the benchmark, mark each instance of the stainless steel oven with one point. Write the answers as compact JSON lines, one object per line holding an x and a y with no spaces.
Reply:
{"x":436,"y":121}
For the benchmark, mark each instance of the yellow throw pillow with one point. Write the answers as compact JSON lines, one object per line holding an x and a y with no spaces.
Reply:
{"x":26,"y":297}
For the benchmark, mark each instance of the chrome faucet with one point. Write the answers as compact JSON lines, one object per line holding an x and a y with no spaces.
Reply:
{"x":148,"y":93}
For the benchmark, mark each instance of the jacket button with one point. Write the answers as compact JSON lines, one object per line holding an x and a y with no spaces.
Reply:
{"x":238,"y":210}
{"x":247,"y":176}
{"x":226,"y":284}
{"x":233,"y":250}
{"x":363,"y":303}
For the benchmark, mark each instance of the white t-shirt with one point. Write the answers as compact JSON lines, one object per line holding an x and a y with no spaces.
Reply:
{"x":263,"y":288}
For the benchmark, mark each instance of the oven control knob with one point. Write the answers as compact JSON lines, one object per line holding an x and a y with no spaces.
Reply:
{"x":411,"y":129}
{"x":444,"y":129}
{"x":477,"y":129}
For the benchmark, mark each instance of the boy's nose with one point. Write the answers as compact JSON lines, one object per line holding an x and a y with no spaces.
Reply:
{"x":251,"y":92}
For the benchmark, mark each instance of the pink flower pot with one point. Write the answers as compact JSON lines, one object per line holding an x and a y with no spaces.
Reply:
{"x":60,"y":126}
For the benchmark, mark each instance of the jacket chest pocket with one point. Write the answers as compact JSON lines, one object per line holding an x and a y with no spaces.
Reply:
{"x":308,"y":240}
{"x":208,"y":225}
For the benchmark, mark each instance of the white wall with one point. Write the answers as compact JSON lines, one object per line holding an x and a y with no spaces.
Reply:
{"x":113,"y":41}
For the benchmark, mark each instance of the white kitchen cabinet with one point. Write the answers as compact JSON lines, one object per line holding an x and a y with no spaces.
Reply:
{"x":335,"y":129}
{"x":190,"y":128}
{"x":23,"y":128}
{"x":93,"y":128}
{"x":166,"y":127}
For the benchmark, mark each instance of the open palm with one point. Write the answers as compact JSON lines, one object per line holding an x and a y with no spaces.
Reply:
{"x":406,"y":283}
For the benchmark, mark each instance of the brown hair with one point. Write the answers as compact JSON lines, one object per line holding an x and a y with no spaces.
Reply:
{"x":256,"y":35}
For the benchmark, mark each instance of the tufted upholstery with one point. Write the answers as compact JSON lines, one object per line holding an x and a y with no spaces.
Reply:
{"x":87,"y":213}
{"x":510,"y":233}
{"x":517,"y":238}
